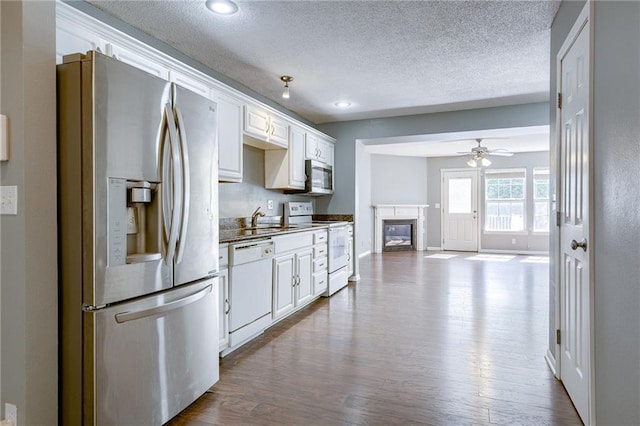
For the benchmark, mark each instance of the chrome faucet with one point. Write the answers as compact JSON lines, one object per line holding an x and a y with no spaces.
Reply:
{"x":254,"y":217}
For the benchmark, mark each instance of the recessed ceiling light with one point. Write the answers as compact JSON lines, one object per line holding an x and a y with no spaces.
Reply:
{"x":343,"y":104}
{"x":222,"y":7}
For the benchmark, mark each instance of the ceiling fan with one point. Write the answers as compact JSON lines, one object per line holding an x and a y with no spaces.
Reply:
{"x":480,"y":153}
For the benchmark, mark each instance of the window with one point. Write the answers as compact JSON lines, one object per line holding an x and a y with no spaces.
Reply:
{"x":541,"y":200}
{"x":505,"y":200}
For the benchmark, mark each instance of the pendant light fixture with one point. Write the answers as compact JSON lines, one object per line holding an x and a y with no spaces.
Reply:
{"x":287,"y":79}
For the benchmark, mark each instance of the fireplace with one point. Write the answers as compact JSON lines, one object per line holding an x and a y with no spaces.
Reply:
{"x":413,"y":213}
{"x":399,"y":234}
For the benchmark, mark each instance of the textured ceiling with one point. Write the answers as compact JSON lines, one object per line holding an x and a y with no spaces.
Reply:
{"x":519,"y":139}
{"x":388,"y":58}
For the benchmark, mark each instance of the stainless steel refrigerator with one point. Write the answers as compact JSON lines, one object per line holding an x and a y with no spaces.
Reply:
{"x":138,"y":232}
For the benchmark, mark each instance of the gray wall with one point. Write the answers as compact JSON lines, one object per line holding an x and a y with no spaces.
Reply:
{"x":241,"y":199}
{"x":565,"y":17}
{"x":28,"y":267}
{"x":349,"y":132}
{"x":616,"y":244}
{"x":524,"y":243}
{"x":398,"y":180}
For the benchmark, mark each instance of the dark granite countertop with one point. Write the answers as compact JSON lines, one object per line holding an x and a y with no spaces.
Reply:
{"x":228,"y":235}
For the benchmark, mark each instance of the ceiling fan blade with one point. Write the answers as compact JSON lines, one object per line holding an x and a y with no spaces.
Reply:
{"x":501,"y":154}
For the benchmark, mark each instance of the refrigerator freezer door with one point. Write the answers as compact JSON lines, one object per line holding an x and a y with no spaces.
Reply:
{"x":197,"y":251}
{"x":155,"y":356}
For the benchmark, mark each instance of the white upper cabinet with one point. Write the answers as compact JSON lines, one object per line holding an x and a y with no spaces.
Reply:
{"x":284,"y":169}
{"x":316,"y":148}
{"x":267,"y":130}
{"x":229,"y":138}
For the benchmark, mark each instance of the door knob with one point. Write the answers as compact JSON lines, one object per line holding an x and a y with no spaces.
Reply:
{"x":582,"y":244}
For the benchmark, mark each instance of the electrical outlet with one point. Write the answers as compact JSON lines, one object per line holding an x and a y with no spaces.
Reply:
{"x":270,"y":204}
{"x":513,"y":241}
{"x":8,"y":200}
{"x":11,"y":413}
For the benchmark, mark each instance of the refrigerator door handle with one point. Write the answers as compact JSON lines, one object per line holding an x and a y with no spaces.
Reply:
{"x":176,"y":183}
{"x":176,"y":304}
{"x":166,"y":187}
{"x":186,"y":186}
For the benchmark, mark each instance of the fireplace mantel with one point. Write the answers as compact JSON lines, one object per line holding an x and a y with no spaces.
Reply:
{"x":400,"y":211}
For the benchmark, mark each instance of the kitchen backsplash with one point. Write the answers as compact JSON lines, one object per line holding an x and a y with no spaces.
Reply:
{"x":241,"y":199}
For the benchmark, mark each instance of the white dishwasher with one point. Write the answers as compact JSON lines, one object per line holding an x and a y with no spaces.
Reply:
{"x":250,"y":290}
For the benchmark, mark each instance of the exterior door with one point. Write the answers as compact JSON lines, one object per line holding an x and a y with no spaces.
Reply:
{"x":460,"y":210}
{"x":574,"y":227}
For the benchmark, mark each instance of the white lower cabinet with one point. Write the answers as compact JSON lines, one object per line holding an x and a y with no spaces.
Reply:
{"x":223,"y":297}
{"x":292,"y":282}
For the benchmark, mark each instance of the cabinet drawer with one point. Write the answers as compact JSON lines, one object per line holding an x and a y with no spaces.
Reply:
{"x":320,"y":237}
{"x":223,"y":256}
{"x":292,"y":242}
{"x":320,"y":265}
{"x":320,"y":282}
{"x":320,"y":251}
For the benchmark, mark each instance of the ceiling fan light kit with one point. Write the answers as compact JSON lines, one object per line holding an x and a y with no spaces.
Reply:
{"x":480,"y":153}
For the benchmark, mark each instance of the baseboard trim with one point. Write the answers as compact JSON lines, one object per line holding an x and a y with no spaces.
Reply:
{"x":525,"y":252}
{"x":363,"y":254}
{"x":434,"y":248}
{"x":551,"y":362}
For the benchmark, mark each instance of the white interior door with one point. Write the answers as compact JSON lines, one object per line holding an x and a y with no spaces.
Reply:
{"x":574,"y":227}
{"x":460,"y":210}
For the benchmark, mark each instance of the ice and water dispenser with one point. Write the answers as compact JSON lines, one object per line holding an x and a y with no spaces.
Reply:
{"x":135,"y":227}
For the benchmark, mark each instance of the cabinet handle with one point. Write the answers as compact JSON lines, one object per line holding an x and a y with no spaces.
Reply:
{"x":228,"y":309}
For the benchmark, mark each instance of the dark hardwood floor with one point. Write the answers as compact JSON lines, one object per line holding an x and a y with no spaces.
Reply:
{"x":420,"y":339}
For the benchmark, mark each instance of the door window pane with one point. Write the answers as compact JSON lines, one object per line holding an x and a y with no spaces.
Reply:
{"x":460,"y":195}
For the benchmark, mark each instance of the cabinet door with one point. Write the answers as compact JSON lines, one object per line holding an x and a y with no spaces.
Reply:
{"x":279,"y":131}
{"x":304,"y":261}
{"x":223,"y":309}
{"x":320,"y":282}
{"x":283,"y":285}
{"x":311,"y":147}
{"x":229,"y":139}
{"x":256,"y":122}
{"x":297,"y":176}
{"x":325,"y":152}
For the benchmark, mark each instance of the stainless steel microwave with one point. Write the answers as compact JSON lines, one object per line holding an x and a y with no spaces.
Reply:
{"x":319,"y":178}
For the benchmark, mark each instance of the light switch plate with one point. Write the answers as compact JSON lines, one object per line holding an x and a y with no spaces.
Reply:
{"x":8,"y":200}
